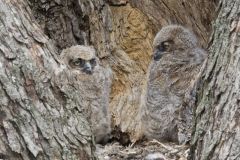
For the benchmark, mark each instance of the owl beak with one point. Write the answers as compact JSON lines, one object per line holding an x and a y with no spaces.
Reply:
{"x":157,"y":55}
{"x":87,"y":68}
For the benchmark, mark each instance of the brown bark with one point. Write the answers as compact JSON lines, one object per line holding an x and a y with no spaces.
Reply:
{"x":196,"y":14}
{"x":38,"y":120}
{"x":122,"y":32}
{"x":217,"y":130}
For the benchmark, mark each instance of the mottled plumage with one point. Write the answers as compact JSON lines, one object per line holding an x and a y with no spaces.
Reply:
{"x":167,"y":109}
{"x":93,"y":87}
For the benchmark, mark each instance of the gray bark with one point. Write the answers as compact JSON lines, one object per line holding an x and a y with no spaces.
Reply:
{"x":217,"y":129}
{"x":38,"y":120}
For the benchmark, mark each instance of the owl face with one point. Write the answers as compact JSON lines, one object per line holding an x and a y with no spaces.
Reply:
{"x":86,"y":66}
{"x":172,"y":39}
{"x":80,"y":58}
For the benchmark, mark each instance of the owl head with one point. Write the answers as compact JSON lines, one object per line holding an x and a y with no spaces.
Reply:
{"x":173,"y":38}
{"x":80,"y":57}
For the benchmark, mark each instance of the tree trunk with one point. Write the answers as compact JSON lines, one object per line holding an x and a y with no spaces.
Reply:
{"x":122,"y":31}
{"x":217,"y":131}
{"x":38,"y":120}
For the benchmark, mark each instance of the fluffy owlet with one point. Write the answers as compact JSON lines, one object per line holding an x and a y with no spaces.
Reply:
{"x":93,"y":87}
{"x":172,"y":74}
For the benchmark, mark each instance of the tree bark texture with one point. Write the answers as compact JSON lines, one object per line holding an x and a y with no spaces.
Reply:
{"x":38,"y":120}
{"x":122,"y":31}
{"x":217,"y":130}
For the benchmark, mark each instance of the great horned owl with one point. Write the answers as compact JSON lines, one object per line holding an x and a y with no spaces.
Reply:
{"x":81,"y":58}
{"x":167,"y":109}
{"x":93,"y":87}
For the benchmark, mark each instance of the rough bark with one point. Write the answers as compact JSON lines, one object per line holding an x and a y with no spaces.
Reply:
{"x":122,"y":32}
{"x":217,"y":130}
{"x":38,"y":120}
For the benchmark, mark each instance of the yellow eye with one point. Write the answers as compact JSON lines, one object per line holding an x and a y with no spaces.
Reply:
{"x":76,"y":63}
{"x":79,"y":62}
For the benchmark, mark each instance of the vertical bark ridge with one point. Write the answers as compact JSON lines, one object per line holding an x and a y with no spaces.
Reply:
{"x":217,"y":130}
